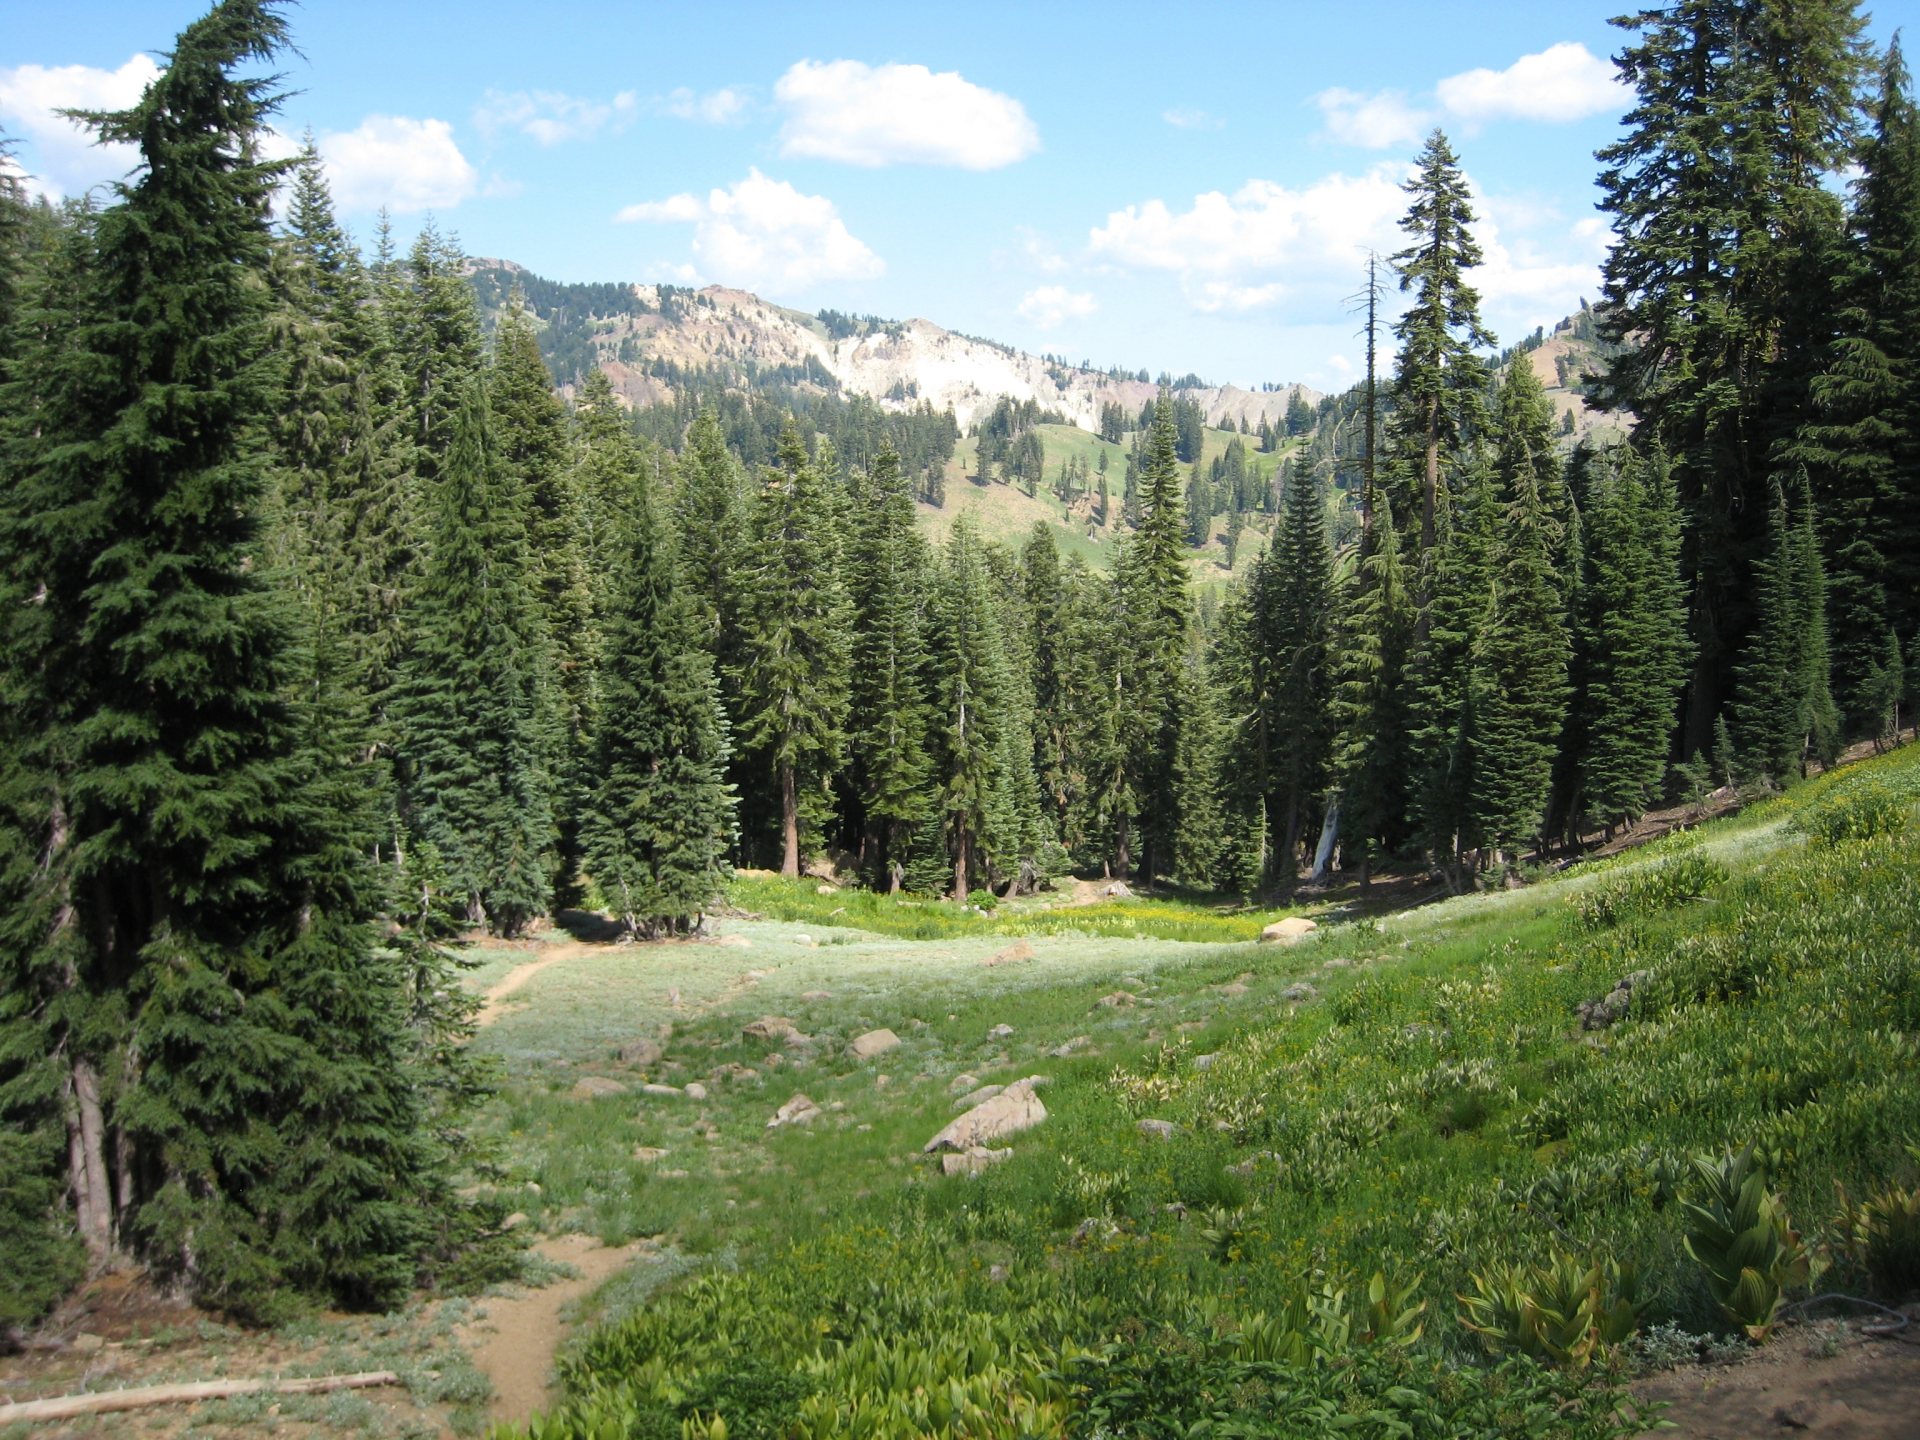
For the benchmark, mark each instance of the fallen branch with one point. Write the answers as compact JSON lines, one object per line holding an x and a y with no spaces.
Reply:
{"x":139,"y":1397}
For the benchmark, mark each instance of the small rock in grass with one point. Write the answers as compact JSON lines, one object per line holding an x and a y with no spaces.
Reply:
{"x":640,"y":1053}
{"x":806,"y":940}
{"x":696,"y":1091}
{"x":799,"y":1110}
{"x":1014,"y":1109}
{"x":1290,"y":930}
{"x":1019,"y":950}
{"x":86,"y":1341}
{"x":647,"y":1154}
{"x":1000,"y":1032}
{"x":512,"y":1222}
{"x":824,"y":889}
{"x":1299,"y":994}
{"x":1118,"y":890}
{"x":874,"y":1042}
{"x":1118,"y":1000}
{"x":596,"y":1087}
{"x":1157,"y":1129}
{"x":962,"y":1081}
{"x":1237,"y":987}
{"x":971,"y":1161}
{"x":881,"y":1082}
{"x":1205,"y":1062}
{"x":1061,"y":1051}
{"x":673,"y":1091}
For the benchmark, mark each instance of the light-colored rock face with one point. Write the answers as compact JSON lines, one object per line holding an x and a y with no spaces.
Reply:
{"x":774,"y":1030}
{"x":874,"y":1042}
{"x":1289,"y":930}
{"x":971,"y":1162}
{"x":595,"y":1087}
{"x":1014,"y":1109}
{"x":797,"y":1111}
{"x":640,"y":1053}
{"x":898,"y":364}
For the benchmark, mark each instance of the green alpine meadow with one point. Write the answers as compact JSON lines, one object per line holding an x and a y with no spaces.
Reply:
{"x":632,"y":861}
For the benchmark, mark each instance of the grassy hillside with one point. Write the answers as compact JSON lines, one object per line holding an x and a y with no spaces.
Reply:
{"x":1005,"y":513}
{"x":1351,"y":1136}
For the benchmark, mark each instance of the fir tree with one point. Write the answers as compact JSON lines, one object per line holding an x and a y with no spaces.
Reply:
{"x":467,"y":708}
{"x":1438,"y":386}
{"x":187,"y":907}
{"x":1520,"y":654}
{"x":1294,"y":597}
{"x":656,"y":834}
{"x":887,"y":577}
{"x":1784,"y":710}
{"x":969,"y":688}
{"x":793,"y":669}
{"x":1373,"y":632}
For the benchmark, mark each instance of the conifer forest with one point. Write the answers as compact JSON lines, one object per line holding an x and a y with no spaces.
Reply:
{"x":352,"y":618}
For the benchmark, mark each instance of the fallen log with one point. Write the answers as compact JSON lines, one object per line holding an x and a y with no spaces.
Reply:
{"x":139,"y":1397}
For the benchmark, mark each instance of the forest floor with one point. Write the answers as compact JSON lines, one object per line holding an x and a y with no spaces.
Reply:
{"x":631,"y":1137}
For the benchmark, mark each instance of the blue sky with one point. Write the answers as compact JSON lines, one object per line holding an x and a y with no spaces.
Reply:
{"x":1176,"y":188}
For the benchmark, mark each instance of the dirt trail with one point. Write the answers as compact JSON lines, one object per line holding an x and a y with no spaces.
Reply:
{"x":523,"y":1331}
{"x":517,"y":977}
{"x":1866,"y":1390}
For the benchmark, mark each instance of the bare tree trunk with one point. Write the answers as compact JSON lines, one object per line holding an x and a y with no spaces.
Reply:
{"x":87,"y":1163}
{"x":789,"y":824}
{"x":960,"y":861}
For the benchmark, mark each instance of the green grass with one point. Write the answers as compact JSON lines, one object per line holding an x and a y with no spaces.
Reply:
{"x":1427,"y":1110}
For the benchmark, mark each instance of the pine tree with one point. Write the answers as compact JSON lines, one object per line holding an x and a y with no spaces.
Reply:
{"x":1784,"y":710}
{"x":1631,"y":645}
{"x":1373,"y":633}
{"x":1294,"y":600}
{"x":1157,"y":616}
{"x":186,"y":907}
{"x":1437,"y":390}
{"x":661,"y":818}
{"x":1200,"y":840}
{"x":792,"y":675}
{"x":473,"y":760}
{"x":887,"y":579}
{"x":1743,"y":108}
{"x":969,"y":687}
{"x":1519,"y":666}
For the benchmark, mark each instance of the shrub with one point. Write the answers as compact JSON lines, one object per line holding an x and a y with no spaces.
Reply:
{"x":1560,"y":1313}
{"x":1864,"y":809}
{"x":1741,"y":1237}
{"x":1647,"y":891}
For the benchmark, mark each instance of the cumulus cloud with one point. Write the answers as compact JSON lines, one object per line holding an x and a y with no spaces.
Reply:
{"x":1262,"y":229}
{"x":1050,"y":305}
{"x":1372,"y":122}
{"x":899,"y":115}
{"x":399,"y":162}
{"x":762,"y":233}
{"x":551,"y":116}
{"x":60,"y":156}
{"x":1563,"y":82}
{"x":717,"y":107}
{"x":1185,"y":118}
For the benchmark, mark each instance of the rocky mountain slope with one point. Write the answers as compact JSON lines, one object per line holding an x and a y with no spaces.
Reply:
{"x":652,"y":339}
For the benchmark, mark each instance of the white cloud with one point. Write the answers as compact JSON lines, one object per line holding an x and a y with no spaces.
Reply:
{"x":1262,"y":230}
{"x":399,"y":162}
{"x":1052,"y":304}
{"x":717,"y":107}
{"x":551,"y":116}
{"x":1216,"y":295}
{"x":60,"y":155}
{"x":1340,"y":364}
{"x":1563,"y":82}
{"x":764,"y":233}
{"x":899,"y":115}
{"x":1372,"y":122}
{"x":1186,"y":118}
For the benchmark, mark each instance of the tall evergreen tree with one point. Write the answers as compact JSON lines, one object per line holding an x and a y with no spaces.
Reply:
{"x":1294,"y":601}
{"x":1373,"y":633}
{"x":1784,"y":710}
{"x":1519,"y":666}
{"x":1630,"y":638}
{"x":186,"y":908}
{"x":660,"y":820}
{"x":887,"y":577}
{"x":473,"y":760}
{"x":792,"y":674}
{"x":970,"y":684}
{"x":1438,"y":387}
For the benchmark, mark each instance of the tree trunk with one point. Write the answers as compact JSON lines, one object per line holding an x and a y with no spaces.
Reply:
{"x":789,"y":823}
{"x":960,"y":862}
{"x":1122,"y":851}
{"x":87,"y":1164}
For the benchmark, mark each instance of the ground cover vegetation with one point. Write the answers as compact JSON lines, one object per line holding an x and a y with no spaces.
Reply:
{"x":330,"y":632}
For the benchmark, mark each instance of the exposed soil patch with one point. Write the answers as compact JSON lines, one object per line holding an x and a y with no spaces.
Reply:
{"x":1868,"y":1389}
{"x":522,"y":1332}
{"x":517,"y":978}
